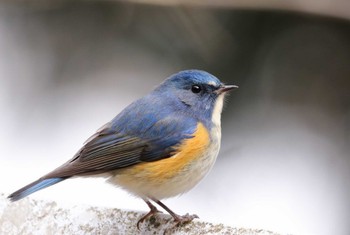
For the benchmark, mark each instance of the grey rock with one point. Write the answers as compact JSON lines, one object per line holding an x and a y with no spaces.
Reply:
{"x":30,"y":216}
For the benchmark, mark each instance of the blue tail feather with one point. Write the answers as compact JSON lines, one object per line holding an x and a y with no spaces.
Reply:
{"x":33,"y":187}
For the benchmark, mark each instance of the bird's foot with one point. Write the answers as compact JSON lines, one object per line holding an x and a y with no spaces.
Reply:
{"x":184,"y":219}
{"x":153,"y":211}
{"x":179,"y":221}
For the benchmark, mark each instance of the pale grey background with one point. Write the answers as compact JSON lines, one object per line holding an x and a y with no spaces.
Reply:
{"x":67,"y":68}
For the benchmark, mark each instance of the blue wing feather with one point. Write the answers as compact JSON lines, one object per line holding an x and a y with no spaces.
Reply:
{"x":162,"y":125}
{"x":140,"y":133}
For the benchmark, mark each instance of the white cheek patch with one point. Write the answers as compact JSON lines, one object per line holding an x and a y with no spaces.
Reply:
{"x":216,"y":117}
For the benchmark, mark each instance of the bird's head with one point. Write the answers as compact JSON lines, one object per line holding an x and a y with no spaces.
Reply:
{"x":201,"y":93}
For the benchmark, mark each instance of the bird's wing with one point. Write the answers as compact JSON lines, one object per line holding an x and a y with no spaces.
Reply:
{"x":109,"y":149}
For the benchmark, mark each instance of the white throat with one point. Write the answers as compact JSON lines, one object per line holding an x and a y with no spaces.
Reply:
{"x":216,"y":117}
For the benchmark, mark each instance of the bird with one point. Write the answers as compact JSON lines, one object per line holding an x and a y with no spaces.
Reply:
{"x":158,"y":147}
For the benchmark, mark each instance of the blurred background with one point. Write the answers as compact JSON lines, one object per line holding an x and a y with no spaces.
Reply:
{"x":68,"y":67}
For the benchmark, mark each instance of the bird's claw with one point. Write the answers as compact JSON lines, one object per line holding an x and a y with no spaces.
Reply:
{"x":153,"y":211}
{"x":184,"y":219}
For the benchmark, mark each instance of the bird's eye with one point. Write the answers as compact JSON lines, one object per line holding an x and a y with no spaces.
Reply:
{"x":196,"y":89}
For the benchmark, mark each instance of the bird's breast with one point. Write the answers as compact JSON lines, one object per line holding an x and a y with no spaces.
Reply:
{"x":177,"y":174}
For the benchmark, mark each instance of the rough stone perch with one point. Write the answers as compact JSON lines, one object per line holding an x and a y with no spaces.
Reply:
{"x":37,"y":217}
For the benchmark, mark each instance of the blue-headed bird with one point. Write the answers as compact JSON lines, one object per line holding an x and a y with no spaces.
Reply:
{"x":158,"y":147}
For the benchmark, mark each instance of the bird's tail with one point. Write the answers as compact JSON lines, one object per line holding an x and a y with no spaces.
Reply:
{"x":33,"y":187}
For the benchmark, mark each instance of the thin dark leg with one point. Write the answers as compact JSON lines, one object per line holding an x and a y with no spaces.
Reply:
{"x":153,"y":211}
{"x":178,"y":218}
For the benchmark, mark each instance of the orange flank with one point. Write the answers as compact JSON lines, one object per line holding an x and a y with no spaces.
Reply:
{"x":159,"y":171}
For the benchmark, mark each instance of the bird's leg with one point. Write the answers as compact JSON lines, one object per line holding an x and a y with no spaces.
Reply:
{"x":153,"y":211}
{"x":179,"y":219}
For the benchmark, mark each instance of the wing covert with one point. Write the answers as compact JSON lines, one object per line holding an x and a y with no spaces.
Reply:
{"x":109,"y":149}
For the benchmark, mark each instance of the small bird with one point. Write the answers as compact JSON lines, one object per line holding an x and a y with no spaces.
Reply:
{"x":158,"y":147}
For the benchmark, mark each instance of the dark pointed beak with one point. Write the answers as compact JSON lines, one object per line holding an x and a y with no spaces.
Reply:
{"x":225,"y":88}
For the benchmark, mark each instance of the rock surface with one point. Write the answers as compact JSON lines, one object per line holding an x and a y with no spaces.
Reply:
{"x":38,"y":217}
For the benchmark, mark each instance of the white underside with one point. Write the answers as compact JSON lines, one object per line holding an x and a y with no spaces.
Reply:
{"x":179,"y":184}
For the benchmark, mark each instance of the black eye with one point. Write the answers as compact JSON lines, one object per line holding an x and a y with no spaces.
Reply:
{"x":196,"y":89}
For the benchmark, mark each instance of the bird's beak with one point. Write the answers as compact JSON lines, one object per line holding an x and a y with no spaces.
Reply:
{"x":225,"y":88}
